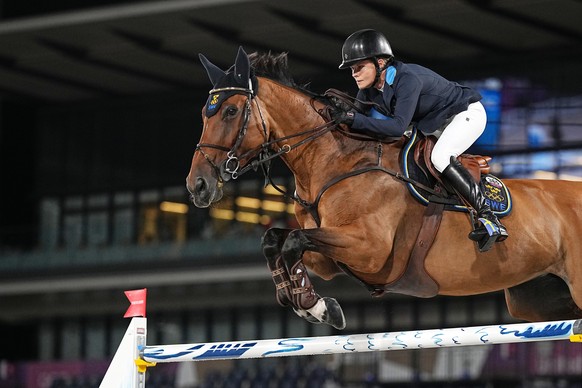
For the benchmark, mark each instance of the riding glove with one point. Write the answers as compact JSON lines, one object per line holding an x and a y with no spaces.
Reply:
{"x":343,"y":117}
{"x":343,"y":112}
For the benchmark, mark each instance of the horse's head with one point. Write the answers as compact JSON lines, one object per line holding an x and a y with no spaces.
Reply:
{"x":229,"y":138}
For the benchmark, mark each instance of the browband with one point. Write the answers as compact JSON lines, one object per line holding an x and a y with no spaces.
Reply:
{"x":235,"y":89}
{"x":230,"y":89}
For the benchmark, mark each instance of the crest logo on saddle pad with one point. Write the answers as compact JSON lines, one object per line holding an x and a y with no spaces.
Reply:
{"x":494,"y":192}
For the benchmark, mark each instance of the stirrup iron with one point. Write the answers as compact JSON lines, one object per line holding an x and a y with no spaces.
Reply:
{"x":487,"y":234}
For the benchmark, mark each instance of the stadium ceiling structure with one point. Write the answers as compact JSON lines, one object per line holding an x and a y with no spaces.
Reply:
{"x":153,"y":46}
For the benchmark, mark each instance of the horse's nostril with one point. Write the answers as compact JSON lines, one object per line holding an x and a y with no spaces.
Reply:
{"x":200,"y":185}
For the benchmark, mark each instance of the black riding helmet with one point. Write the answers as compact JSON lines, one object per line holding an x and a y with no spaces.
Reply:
{"x":364,"y":44}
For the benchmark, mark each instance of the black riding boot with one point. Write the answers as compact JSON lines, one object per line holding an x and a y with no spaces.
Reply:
{"x":462,"y":181}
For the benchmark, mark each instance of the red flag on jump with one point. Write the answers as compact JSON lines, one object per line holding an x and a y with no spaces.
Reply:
{"x":137,"y":300}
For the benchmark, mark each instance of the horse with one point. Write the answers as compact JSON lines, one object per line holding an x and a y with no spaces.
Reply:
{"x":356,"y":215}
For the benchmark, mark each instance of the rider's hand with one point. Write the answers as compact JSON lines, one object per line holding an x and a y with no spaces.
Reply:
{"x":340,"y":104}
{"x":343,"y":117}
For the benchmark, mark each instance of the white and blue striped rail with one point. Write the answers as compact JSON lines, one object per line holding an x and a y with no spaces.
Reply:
{"x":133,"y":356}
{"x":416,"y":339}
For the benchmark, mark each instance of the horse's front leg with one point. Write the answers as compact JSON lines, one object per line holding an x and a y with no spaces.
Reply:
{"x":304,"y":297}
{"x":272,"y":243}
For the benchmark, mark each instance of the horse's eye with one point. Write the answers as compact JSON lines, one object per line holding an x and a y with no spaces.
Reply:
{"x":230,"y":111}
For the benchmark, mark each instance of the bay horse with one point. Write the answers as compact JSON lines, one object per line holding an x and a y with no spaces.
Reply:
{"x":356,"y":217}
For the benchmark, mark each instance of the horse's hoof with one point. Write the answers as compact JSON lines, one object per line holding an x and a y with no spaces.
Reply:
{"x":306,"y":315}
{"x":328,"y":310}
{"x":334,"y":315}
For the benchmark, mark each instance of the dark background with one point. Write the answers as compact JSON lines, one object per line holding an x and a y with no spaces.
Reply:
{"x":105,"y":96}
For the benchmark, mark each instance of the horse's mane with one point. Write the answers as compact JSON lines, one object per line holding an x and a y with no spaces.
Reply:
{"x":276,"y":68}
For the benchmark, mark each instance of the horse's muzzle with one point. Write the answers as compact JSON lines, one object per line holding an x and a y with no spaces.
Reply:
{"x":203,"y":191}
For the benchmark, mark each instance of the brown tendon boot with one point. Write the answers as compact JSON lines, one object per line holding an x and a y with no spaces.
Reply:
{"x":282,"y":282}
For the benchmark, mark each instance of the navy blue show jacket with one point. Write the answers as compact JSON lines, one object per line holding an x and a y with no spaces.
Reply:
{"x":415,"y":95}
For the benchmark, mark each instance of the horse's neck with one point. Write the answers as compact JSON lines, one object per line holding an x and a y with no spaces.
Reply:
{"x":320,"y":159}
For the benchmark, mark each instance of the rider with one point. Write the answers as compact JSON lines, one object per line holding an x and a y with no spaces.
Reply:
{"x":409,"y":93}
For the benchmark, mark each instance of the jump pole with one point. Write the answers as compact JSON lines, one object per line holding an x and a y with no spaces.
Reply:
{"x":135,"y":356}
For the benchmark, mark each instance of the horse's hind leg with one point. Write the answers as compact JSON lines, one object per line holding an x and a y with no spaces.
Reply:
{"x":545,"y":298}
{"x":326,"y":310}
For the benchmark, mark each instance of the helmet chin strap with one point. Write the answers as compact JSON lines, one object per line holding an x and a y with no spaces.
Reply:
{"x":379,"y":69}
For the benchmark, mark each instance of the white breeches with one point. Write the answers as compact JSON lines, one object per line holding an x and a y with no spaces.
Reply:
{"x":459,"y":135}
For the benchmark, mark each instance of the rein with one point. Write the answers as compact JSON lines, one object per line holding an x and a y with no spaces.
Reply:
{"x":312,"y":207}
{"x":230,"y":167}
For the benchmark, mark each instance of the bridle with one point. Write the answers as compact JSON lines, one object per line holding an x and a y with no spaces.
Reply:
{"x":260,"y":156}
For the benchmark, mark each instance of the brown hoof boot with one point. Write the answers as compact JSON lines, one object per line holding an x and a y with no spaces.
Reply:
{"x":282,"y":283}
{"x":304,"y":296}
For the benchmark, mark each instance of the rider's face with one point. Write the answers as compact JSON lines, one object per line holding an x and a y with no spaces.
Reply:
{"x":364,"y":73}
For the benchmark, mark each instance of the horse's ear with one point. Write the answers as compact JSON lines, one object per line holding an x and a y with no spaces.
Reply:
{"x":242,"y":67}
{"x":214,"y":72}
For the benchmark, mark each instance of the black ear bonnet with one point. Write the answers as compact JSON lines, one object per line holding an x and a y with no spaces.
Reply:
{"x":239,"y":79}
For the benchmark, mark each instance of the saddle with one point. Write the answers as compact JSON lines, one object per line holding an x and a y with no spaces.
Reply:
{"x":475,"y":164}
{"x":417,"y":168}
